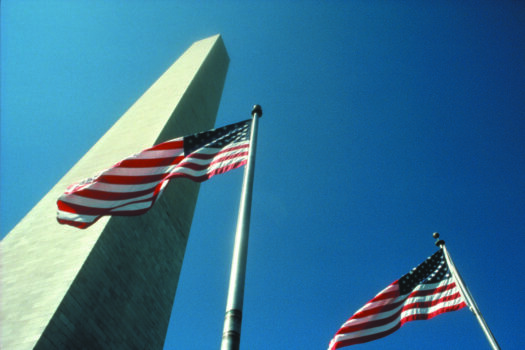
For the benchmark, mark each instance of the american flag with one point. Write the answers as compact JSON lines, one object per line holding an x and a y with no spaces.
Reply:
{"x":426,"y":291}
{"x":131,"y":186}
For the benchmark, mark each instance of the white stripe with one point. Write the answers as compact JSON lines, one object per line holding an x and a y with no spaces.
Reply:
{"x":121,"y":171}
{"x":98,"y":203}
{"x":388,"y":326}
{"x":156,"y":154}
{"x":132,"y":207}
{"x":197,"y":173}
{"x":373,"y":304}
{"x":432,"y":297}
{"x":212,"y":150}
{"x":386,"y":314}
{"x":119,"y":188}
{"x":191,"y":159}
{"x":64,"y":215}
{"x":380,"y":316}
{"x":126,"y":171}
{"x":75,"y":217}
{"x":429,"y":286}
{"x":218,"y":162}
{"x":432,"y":309}
{"x":368,"y":331}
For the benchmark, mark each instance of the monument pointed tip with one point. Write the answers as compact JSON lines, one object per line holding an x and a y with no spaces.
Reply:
{"x":211,"y":40}
{"x":213,"y":37}
{"x":209,"y":43}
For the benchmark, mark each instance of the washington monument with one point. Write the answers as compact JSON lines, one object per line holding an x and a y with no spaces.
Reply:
{"x":112,"y":286}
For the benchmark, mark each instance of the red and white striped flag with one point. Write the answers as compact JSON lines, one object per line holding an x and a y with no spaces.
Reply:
{"x":426,"y":291}
{"x":131,"y":186}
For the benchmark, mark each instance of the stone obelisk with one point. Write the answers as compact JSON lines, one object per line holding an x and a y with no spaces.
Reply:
{"x":112,"y":286}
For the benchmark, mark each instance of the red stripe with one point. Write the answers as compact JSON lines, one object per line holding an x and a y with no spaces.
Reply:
{"x":380,"y":322}
{"x":198,"y":155}
{"x":76,"y":224}
{"x":207,"y":176}
{"x":426,"y":292}
{"x":381,"y":308}
{"x":141,"y":161}
{"x":188,"y":164}
{"x":130,"y":180}
{"x":396,"y":326}
{"x":386,"y":295}
{"x":369,"y":324}
{"x":144,"y":179}
{"x":148,"y":163}
{"x":428,"y":316}
{"x":112,"y":196}
{"x":430,"y":303}
{"x":83,"y":225}
{"x":173,"y":144}
{"x":366,"y":338}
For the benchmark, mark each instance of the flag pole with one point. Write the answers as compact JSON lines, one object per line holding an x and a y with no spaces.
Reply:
{"x":231,"y":336}
{"x":466,"y":294}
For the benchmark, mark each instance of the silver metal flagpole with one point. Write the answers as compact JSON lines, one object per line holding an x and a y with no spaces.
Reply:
{"x":466,"y":294}
{"x":231,"y":336}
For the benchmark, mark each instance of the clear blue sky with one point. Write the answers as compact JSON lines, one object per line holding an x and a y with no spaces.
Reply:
{"x":384,"y":121}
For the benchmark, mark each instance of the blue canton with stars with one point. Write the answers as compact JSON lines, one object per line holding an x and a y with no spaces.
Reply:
{"x":432,"y":270}
{"x":218,"y":138}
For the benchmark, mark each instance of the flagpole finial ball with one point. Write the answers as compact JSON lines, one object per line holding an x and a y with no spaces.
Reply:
{"x":257,"y":110}
{"x":439,"y":242}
